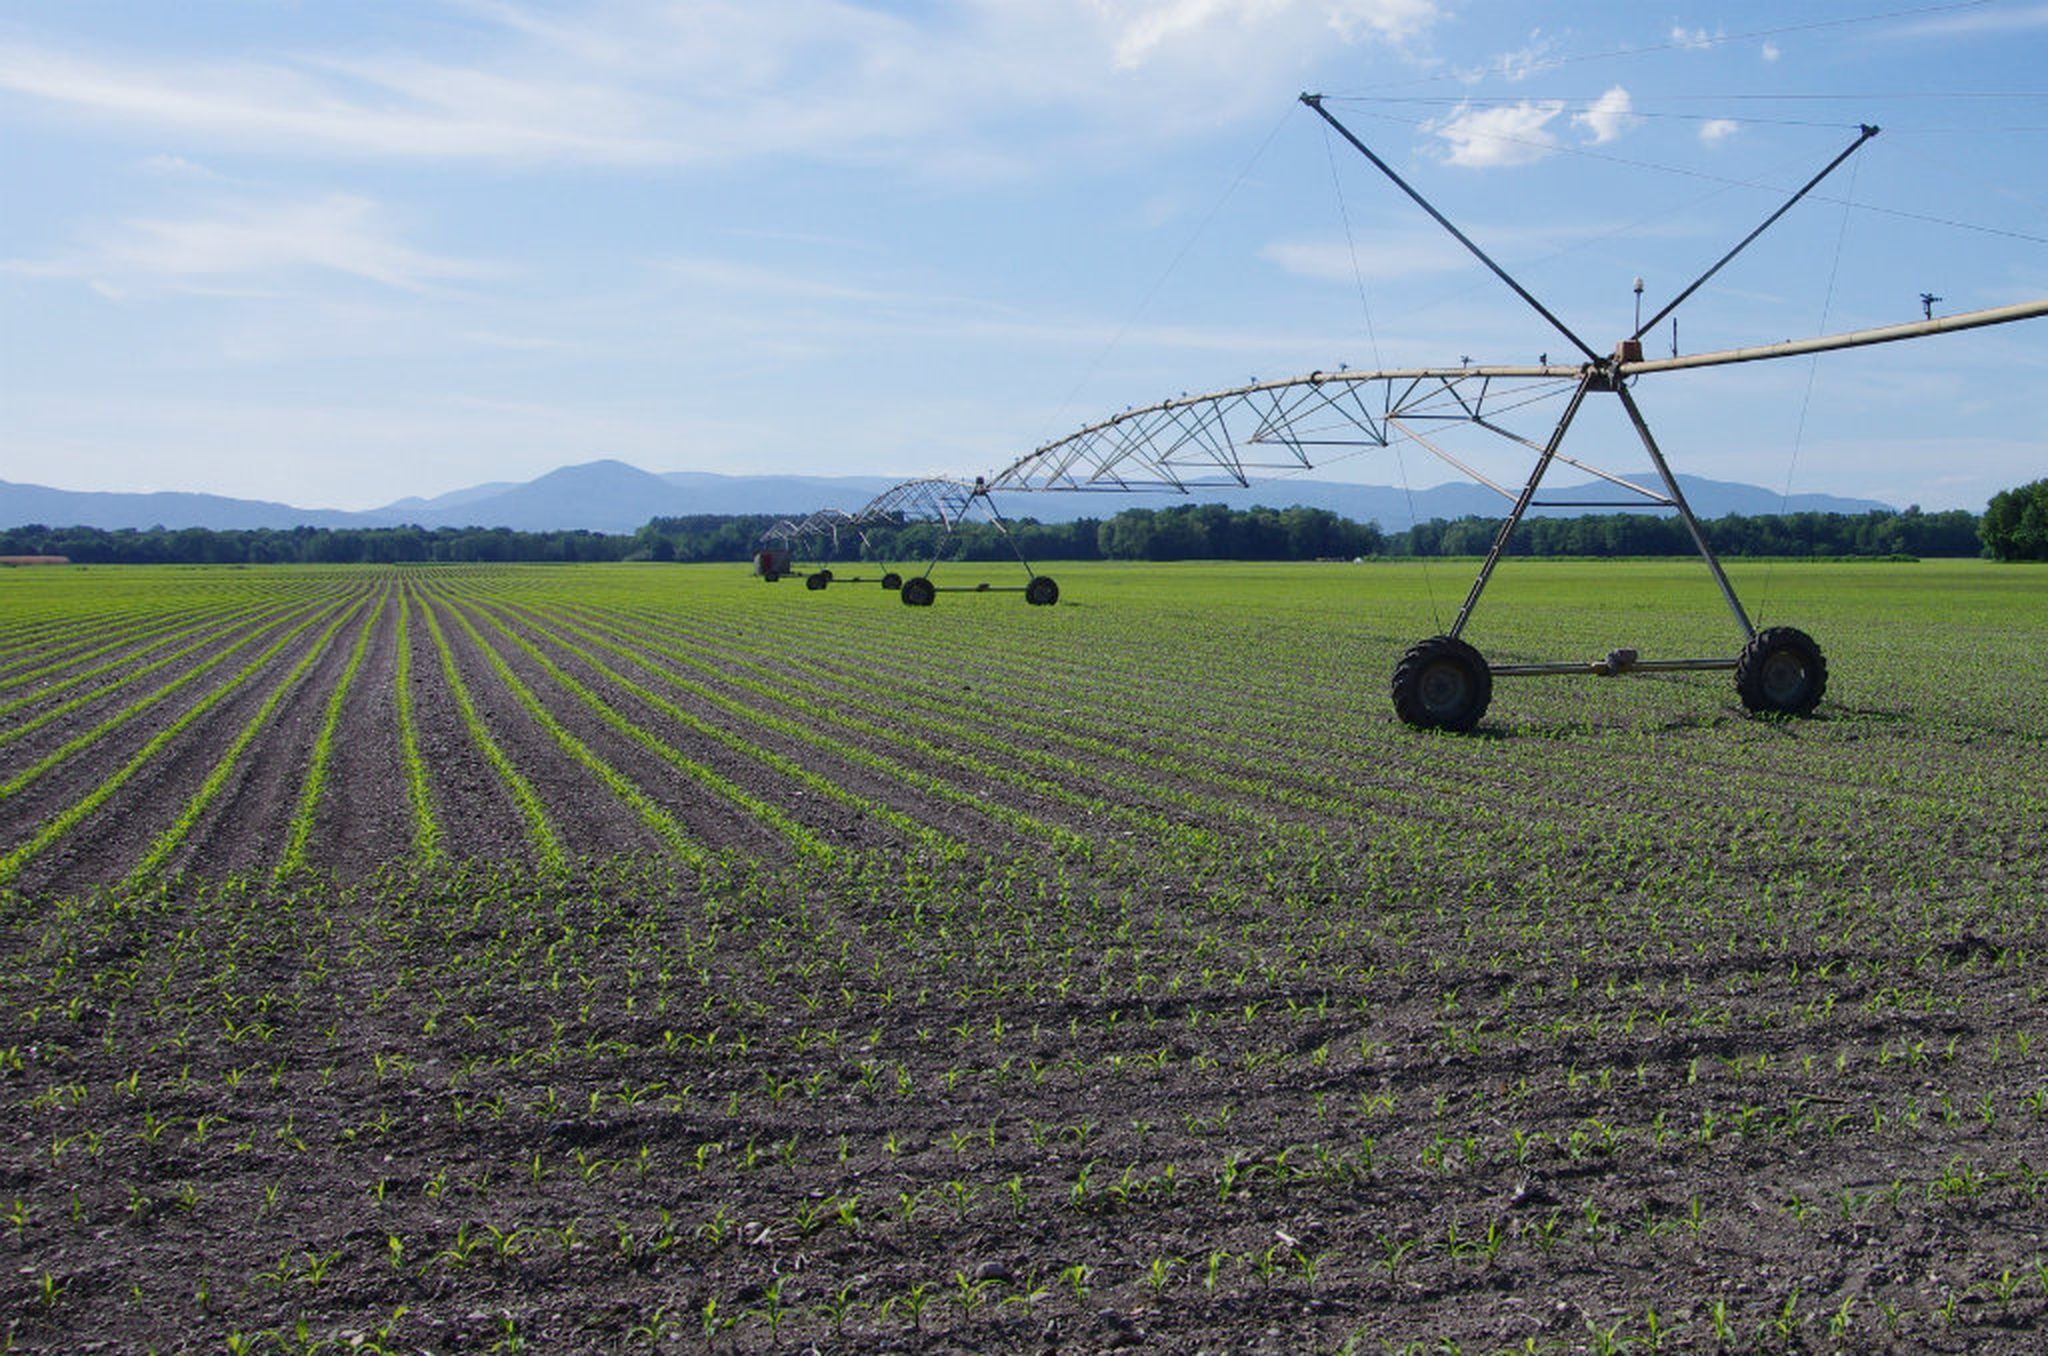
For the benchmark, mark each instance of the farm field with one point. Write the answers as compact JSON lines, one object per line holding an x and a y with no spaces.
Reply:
{"x":615,"y":958}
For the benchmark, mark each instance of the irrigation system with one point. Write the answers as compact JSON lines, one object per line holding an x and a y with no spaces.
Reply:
{"x":1230,"y":438}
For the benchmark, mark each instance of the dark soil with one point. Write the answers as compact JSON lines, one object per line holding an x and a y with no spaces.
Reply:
{"x":1736,"y":1042}
{"x":609,"y":1111}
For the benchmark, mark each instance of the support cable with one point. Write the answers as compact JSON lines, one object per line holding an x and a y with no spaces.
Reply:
{"x":1812,"y":376}
{"x":1372,"y":338}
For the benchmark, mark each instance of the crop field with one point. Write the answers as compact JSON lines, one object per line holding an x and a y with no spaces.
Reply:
{"x":617,"y":958}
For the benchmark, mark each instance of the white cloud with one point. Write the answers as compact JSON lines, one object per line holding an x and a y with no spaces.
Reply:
{"x":1145,"y":26}
{"x":174,"y":167}
{"x":1509,"y":134}
{"x":754,"y":280}
{"x":1770,"y":51}
{"x":1609,"y":116}
{"x":251,"y":244}
{"x":1692,"y":37}
{"x":1384,"y":256}
{"x":2009,"y":19}
{"x":650,"y":82}
{"x":1718,"y":129}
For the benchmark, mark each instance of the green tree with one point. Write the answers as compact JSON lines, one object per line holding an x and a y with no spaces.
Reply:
{"x":2015,"y":526}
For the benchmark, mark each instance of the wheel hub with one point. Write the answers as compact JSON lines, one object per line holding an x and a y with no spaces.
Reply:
{"x":1445,"y":686}
{"x":1784,"y":678}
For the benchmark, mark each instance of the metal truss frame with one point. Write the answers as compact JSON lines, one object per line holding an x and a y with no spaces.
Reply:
{"x":950,"y":502}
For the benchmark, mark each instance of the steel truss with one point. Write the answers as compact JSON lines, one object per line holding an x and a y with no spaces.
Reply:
{"x":950,"y":502}
{"x":1227,"y":439}
{"x":818,"y":539}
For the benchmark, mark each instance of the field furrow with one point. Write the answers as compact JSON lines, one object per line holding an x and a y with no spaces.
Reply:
{"x":830,"y":807}
{"x":97,"y":778}
{"x":541,"y":837}
{"x":240,"y":816}
{"x":793,"y":744}
{"x":639,"y":957}
{"x":120,"y":683}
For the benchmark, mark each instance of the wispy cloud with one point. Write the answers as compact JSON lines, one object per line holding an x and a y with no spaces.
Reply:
{"x":755,"y":280}
{"x":1144,"y":27}
{"x":1385,"y":256}
{"x":1539,"y":53}
{"x":250,"y":245}
{"x":1998,"y":19}
{"x":1718,"y":129}
{"x":628,"y":83}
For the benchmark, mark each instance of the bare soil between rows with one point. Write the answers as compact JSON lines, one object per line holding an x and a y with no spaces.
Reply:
{"x":636,"y":1110}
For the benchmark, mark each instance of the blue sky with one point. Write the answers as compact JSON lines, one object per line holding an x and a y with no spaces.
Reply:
{"x":336,"y":253}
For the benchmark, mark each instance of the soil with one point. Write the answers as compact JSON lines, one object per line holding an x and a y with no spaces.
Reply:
{"x":1354,"y":1053}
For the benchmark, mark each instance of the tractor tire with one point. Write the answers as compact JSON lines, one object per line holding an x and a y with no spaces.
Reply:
{"x":919,"y":592}
{"x":1781,"y":672}
{"x":1041,"y":591}
{"x":817,"y":581}
{"x":1442,"y":684}
{"x":892,"y":580}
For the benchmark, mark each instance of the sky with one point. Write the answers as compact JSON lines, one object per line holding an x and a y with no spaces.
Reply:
{"x":338,"y":253}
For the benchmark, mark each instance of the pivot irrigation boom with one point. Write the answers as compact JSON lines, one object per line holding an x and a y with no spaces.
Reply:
{"x":786,"y":543}
{"x":1227,"y":438}
{"x":947,"y":502}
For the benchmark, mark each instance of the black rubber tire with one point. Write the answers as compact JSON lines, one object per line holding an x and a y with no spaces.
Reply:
{"x":825,"y":575}
{"x":1442,"y":684}
{"x":1781,"y":672}
{"x":814,"y":582}
{"x":1041,"y":591}
{"x":919,"y":592}
{"x":892,"y":580}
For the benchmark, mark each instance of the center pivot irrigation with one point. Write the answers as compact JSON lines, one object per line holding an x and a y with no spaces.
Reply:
{"x":939,"y":500}
{"x":1229,"y":438}
{"x":816,"y":539}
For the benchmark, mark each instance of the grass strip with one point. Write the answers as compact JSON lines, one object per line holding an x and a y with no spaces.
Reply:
{"x":540,"y":834}
{"x":34,"y":723}
{"x":426,"y":830}
{"x":929,"y":837}
{"x":924,"y":783}
{"x":1028,"y":825}
{"x":127,"y":713}
{"x":59,"y":825}
{"x":651,"y":814}
{"x":167,"y":842}
{"x":83,"y":650}
{"x":323,"y":748}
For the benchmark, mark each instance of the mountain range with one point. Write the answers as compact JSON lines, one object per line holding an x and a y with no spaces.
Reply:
{"x":611,"y":496}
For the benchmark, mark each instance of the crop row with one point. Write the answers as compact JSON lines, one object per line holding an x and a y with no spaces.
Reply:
{"x":649,"y":959}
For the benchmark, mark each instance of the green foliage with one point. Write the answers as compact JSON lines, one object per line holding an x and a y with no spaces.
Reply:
{"x":1120,"y":969}
{"x":1181,"y":532}
{"x":2015,"y":525}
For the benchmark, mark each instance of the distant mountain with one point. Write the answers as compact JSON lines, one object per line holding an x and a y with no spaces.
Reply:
{"x":611,"y":496}
{"x":21,"y":505}
{"x":415,"y":504}
{"x":1395,"y":509}
{"x":776,"y":494}
{"x":604,"y":496}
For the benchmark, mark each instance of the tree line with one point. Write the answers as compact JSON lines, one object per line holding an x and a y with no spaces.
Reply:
{"x":310,"y":545}
{"x":2016,"y":526}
